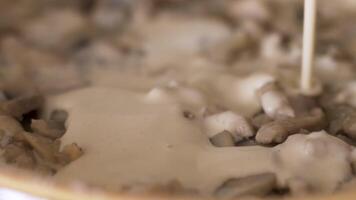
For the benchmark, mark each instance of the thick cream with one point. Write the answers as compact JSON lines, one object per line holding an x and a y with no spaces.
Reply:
{"x":129,"y":140}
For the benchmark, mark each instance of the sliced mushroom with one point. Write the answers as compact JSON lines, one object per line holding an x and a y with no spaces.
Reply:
{"x":59,"y":116}
{"x":259,"y":120}
{"x":25,"y":161}
{"x":223,"y":139}
{"x":12,"y":152}
{"x":22,"y":105}
{"x":72,"y":151}
{"x":49,"y":129}
{"x":43,"y":146}
{"x":302,"y":104}
{"x":254,"y":185}
{"x":342,"y":118}
{"x":9,"y":125}
{"x":274,"y":103}
{"x":277,"y":131}
{"x":246,"y":142}
{"x":349,"y":125}
{"x":229,"y":121}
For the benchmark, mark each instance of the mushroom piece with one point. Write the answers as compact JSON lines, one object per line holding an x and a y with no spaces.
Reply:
{"x":317,"y":162}
{"x":223,"y":139}
{"x":260,"y":119}
{"x":43,"y":146}
{"x":59,"y":116}
{"x":278,"y":130}
{"x":229,"y":121}
{"x":274,"y":103}
{"x":9,"y":125}
{"x":302,"y":104}
{"x":253,"y":185}
{"x":50,"y":129}
{"x":12,"y":152}
{"x":342,"y":118}
{"x":72,"y":151}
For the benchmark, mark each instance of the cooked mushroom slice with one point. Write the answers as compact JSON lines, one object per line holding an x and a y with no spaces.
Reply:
{"x":274,"y":103}
{"x":223,"y":139}
{"x":237,"y":125}
{"x":49,"y":129}
{"x":246,"y":142}
{"x":188,"y":115}
{"x":72,"y":151}
{"x":43,"y":146}
{"x":45,"y":166}
{"x":60,"y":116}
{"x":9,"y":125}
{"x":25,"y":161}
{"x":302,"y":104}
{"x":22,"y":105}
{"x":254,"y":185}
{"x":277,"y":131}
{"x":342,"y":118}
{"x":259,"y":120}
{"x":349,"y":125}
{"x":346,"y":139}
{"x":12,"y":152}
{"x":5,"y":139}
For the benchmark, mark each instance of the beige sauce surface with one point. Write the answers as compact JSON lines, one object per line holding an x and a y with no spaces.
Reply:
{"x":128,"y":140}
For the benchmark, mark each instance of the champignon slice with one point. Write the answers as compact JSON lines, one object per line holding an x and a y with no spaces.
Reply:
{"x":22,"y":105}
{"x":72,"y":151}
{"x":342,"y":118}
{"x":43,"y":146}
{"x":278,"y":130}
{"x":259,"y":120}
{"x":302,"y":104}
{"x":223,"y":139}
{"x":9,"y":125}
{"x":229,"y":121}
{"x":274,"y":103}
{"x":12,"y":152}
{"x":254,"y":185}
{"x":49,"y":129}
{"x":349,"y":124}
{"x":59,"y":116}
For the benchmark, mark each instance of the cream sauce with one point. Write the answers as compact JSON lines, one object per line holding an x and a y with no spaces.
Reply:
{"x":128,"y":140}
